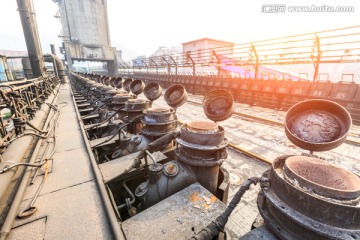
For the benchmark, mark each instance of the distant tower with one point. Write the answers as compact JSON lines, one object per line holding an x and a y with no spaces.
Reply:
{"x":85,"y":32}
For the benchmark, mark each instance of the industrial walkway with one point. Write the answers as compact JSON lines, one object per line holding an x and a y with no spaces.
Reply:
{"x":69,"y":205}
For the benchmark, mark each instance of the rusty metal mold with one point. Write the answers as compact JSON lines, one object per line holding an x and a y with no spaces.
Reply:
{"x":218,"y":105}
{"x":126,"y":84}
{"x":101,"y":79}
{"x":323,"y":178}
{"x":201,"y":148}
{"x":205,"y":139}
{"x":117,"y":83}
{"x":317,"y":125}
{"x":176,"y":95}
{"x":294,"y":212}
{"x":111,"y":81}
{"x":158,"y":121}
{"x":135,"y":108}
{"x":159,"y":110}
{"x":105,"y":89}
{"x":106,"y":81}
{"x":152,"y":91}
{"x":137,"y":86}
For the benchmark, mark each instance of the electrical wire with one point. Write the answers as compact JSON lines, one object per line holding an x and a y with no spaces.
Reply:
{"x":106,"y":120}
{"x":8,"y":167}
{"x":31,"y":209}
{"x":107,"y":101}
{"x":113,"y":136}
{"x":52,"y":121}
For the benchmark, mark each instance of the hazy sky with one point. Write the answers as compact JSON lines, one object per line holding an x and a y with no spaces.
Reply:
{"x":144,"y":25}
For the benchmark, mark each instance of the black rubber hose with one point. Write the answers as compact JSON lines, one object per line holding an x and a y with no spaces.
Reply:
{"x":154,"y":146}
{"x":217,"y":226}
{"x":109,"y":100}
{"x":106,"y":120}
{"x":160,"y":142}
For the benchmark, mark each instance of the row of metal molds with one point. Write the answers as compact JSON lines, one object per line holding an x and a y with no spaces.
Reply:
{"x":280,"y":94}
{"x":186,"y":155}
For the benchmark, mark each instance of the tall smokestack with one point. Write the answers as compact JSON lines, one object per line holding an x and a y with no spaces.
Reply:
{"x":28,"y":21}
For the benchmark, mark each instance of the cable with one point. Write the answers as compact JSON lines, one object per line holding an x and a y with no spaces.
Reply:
{"x":31,"y":209}
{"x":218,"y":225}
{"x":35,"y":128}
{"x":113,"y":136}
{"x":7,"y":167}
{"x":52,"y":121}
{"x":106,"y":120}
{"x":97,"y":108}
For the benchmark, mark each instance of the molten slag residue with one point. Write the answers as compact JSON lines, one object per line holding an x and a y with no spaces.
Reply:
{"x":153,"y":91}
{"x":175,"y":95}
{"x":137,"y":87}
{"x":202,"y":126}
{"x":315,"y":127}
{"x":218,"y":106}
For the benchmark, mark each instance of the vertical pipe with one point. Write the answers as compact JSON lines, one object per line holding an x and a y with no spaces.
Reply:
{"x":52,"y":47}
{"x":208,"y":177}
{"x":28,"y":21}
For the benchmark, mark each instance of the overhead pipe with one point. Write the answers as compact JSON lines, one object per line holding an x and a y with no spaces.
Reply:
{"x":58,"y":66}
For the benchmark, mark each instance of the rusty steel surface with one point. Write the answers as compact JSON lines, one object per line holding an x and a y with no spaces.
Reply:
{"x":323,"y":178}
{"x":177,"y":217}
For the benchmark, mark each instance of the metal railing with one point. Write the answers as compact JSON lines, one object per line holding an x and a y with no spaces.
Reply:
{"x":19,"y":101}
{"x":330,"y":46}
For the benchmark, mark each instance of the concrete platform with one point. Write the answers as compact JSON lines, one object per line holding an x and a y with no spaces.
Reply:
{"x":69,"y":205}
